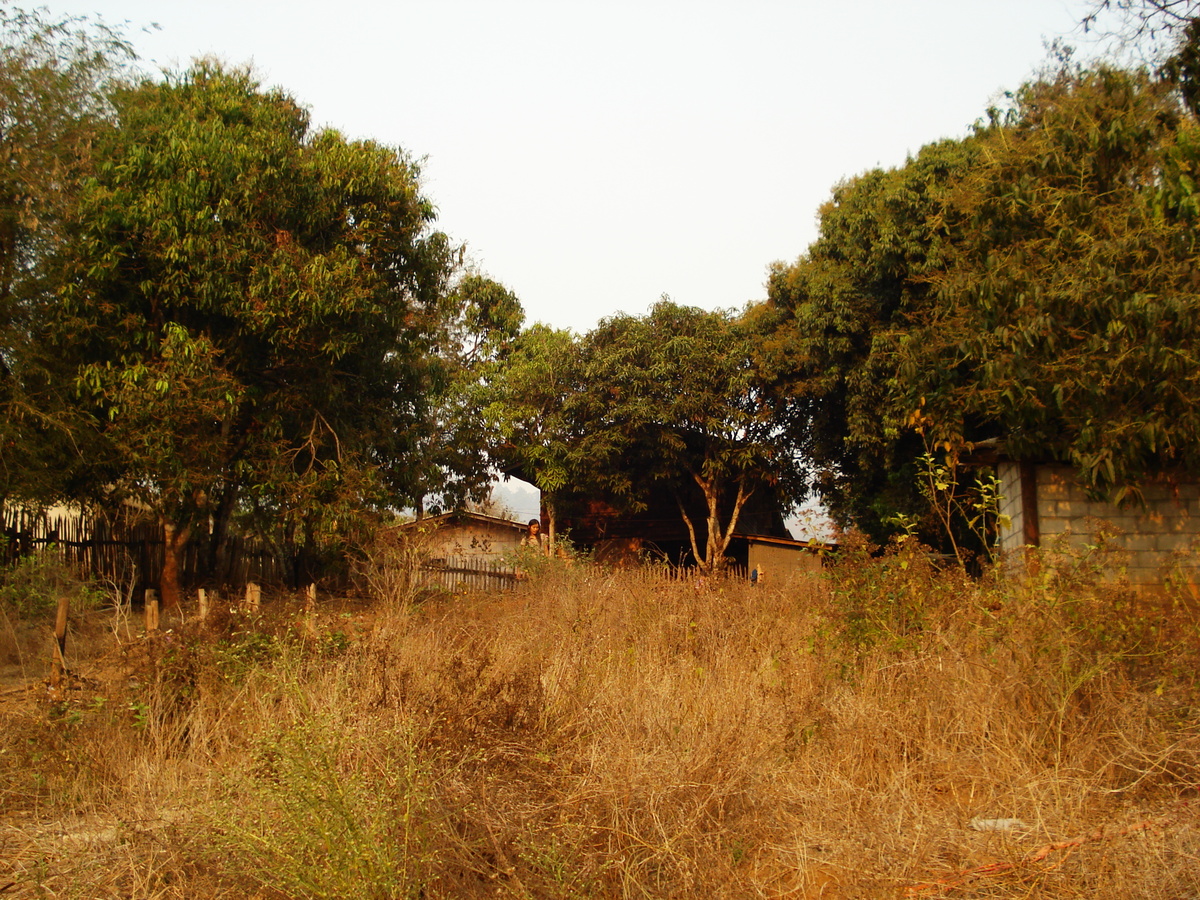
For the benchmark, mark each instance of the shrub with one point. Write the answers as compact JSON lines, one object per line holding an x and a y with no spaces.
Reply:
{"x":328,"y":813}
{"x":31,"y":588}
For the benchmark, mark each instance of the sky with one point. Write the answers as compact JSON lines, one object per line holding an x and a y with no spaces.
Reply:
{"x":594,"y":156}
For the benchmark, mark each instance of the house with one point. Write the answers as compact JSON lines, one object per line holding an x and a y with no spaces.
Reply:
{"x":466,"y":535}
{"x":1143,"y":545}
{"x":466,"y":550}
{"x":771,"y":557}
{"x":658,"y":532}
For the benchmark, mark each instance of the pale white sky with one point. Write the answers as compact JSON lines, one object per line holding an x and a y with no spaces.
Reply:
{"x":596,"y":155}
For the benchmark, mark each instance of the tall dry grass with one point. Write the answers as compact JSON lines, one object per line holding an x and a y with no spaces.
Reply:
{"x":838,"y":735}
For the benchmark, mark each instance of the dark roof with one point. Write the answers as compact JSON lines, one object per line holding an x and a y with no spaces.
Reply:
{"x":811,"y":544}
{"x":462,"y":516}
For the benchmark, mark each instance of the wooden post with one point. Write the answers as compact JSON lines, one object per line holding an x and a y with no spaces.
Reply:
{"x":310,"y":610}
{"x":202,"y":600}
{"x":253,"y":596}
{"x":58,"y":666}
{"x":151,"y":610}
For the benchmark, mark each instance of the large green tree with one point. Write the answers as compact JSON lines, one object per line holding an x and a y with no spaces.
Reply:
{"x":479,"y":331}
{"x":529,"y":412}
{"x":674,"y":399}
{"x":835,"y":319}
{"x":1035,"y":282}
{"x":54,"y":77}
{"x":1068,"y":312}
{"x":255,"y":308}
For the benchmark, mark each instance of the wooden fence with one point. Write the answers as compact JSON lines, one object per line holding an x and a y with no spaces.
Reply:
{"x":461,"y":573}
{"x":660,"y":573}
{"x":469,"y":574}
{"x":128,"y":553}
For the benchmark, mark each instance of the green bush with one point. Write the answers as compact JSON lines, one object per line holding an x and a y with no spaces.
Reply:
{"x":31,"y":587}
{"x":327,"y":814}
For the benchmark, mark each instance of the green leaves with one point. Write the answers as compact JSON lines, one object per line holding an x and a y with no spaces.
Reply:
{"x":53,"y":77}
{"x":256,"y":308}
{"x":675,"y":399}
{"x":528,"y":408}
{"x":1034,"y":282}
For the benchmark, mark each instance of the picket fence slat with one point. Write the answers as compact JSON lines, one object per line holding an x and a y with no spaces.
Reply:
{"x":457,"y":573}
{"x":473,"y":574}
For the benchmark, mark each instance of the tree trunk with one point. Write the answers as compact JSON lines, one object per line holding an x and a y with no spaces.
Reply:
{"x":687,"y":520}
{"x":718,"y":537}
{"x":218,"y":541}
{"x":174,"y":540}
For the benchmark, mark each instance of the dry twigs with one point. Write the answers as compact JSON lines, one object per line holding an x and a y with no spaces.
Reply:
{"x":958,"y":879}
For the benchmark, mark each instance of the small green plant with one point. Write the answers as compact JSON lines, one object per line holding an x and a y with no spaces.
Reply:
{"x":31,"y":588}
{"x":333,"y":643}
{"x":246,"y":650}
{"x":535,"y":562}
{"x":973,"y":509}
{"x":318,"y":817}
{"x":140,"y":711}
{"x":882,"y":600}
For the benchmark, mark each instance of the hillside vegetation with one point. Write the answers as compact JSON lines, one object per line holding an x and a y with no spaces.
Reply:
{"x":868,"y":732}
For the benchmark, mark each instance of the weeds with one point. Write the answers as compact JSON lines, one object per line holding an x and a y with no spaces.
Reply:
{"x":326,"y":811}
{"x":388,"y":567}
{"x":31,"y":588}
{"x":597,"y":735}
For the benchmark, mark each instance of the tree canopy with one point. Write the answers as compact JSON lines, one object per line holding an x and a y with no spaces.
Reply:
{"x":1034,"y":282}
{"x":529,"y":412}
{"x":254,"y":307}
{"x":480,"y":327}
{"x":674,"y":398}
{"x":54,"y":75}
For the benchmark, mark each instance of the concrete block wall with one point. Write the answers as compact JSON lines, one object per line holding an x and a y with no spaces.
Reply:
{"x":1009,"y":475}
{"x":1141,"y":543}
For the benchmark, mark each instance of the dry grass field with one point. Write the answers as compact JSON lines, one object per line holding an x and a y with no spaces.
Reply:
{"x":882,"y":730}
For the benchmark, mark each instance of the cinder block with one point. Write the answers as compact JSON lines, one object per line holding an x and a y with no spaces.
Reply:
{"x":1052,"y":490}
{"x":1143,"y":576}
{"x":1141,"y":543}
{"x":1172,"y":543}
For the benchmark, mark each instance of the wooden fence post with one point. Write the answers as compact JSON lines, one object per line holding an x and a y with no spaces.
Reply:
{"x":58,"y":666}
{"x":202,"y":601}
{"x":151,"y":610}
{"x":310,"y":610}
{"x":253,"y":596}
